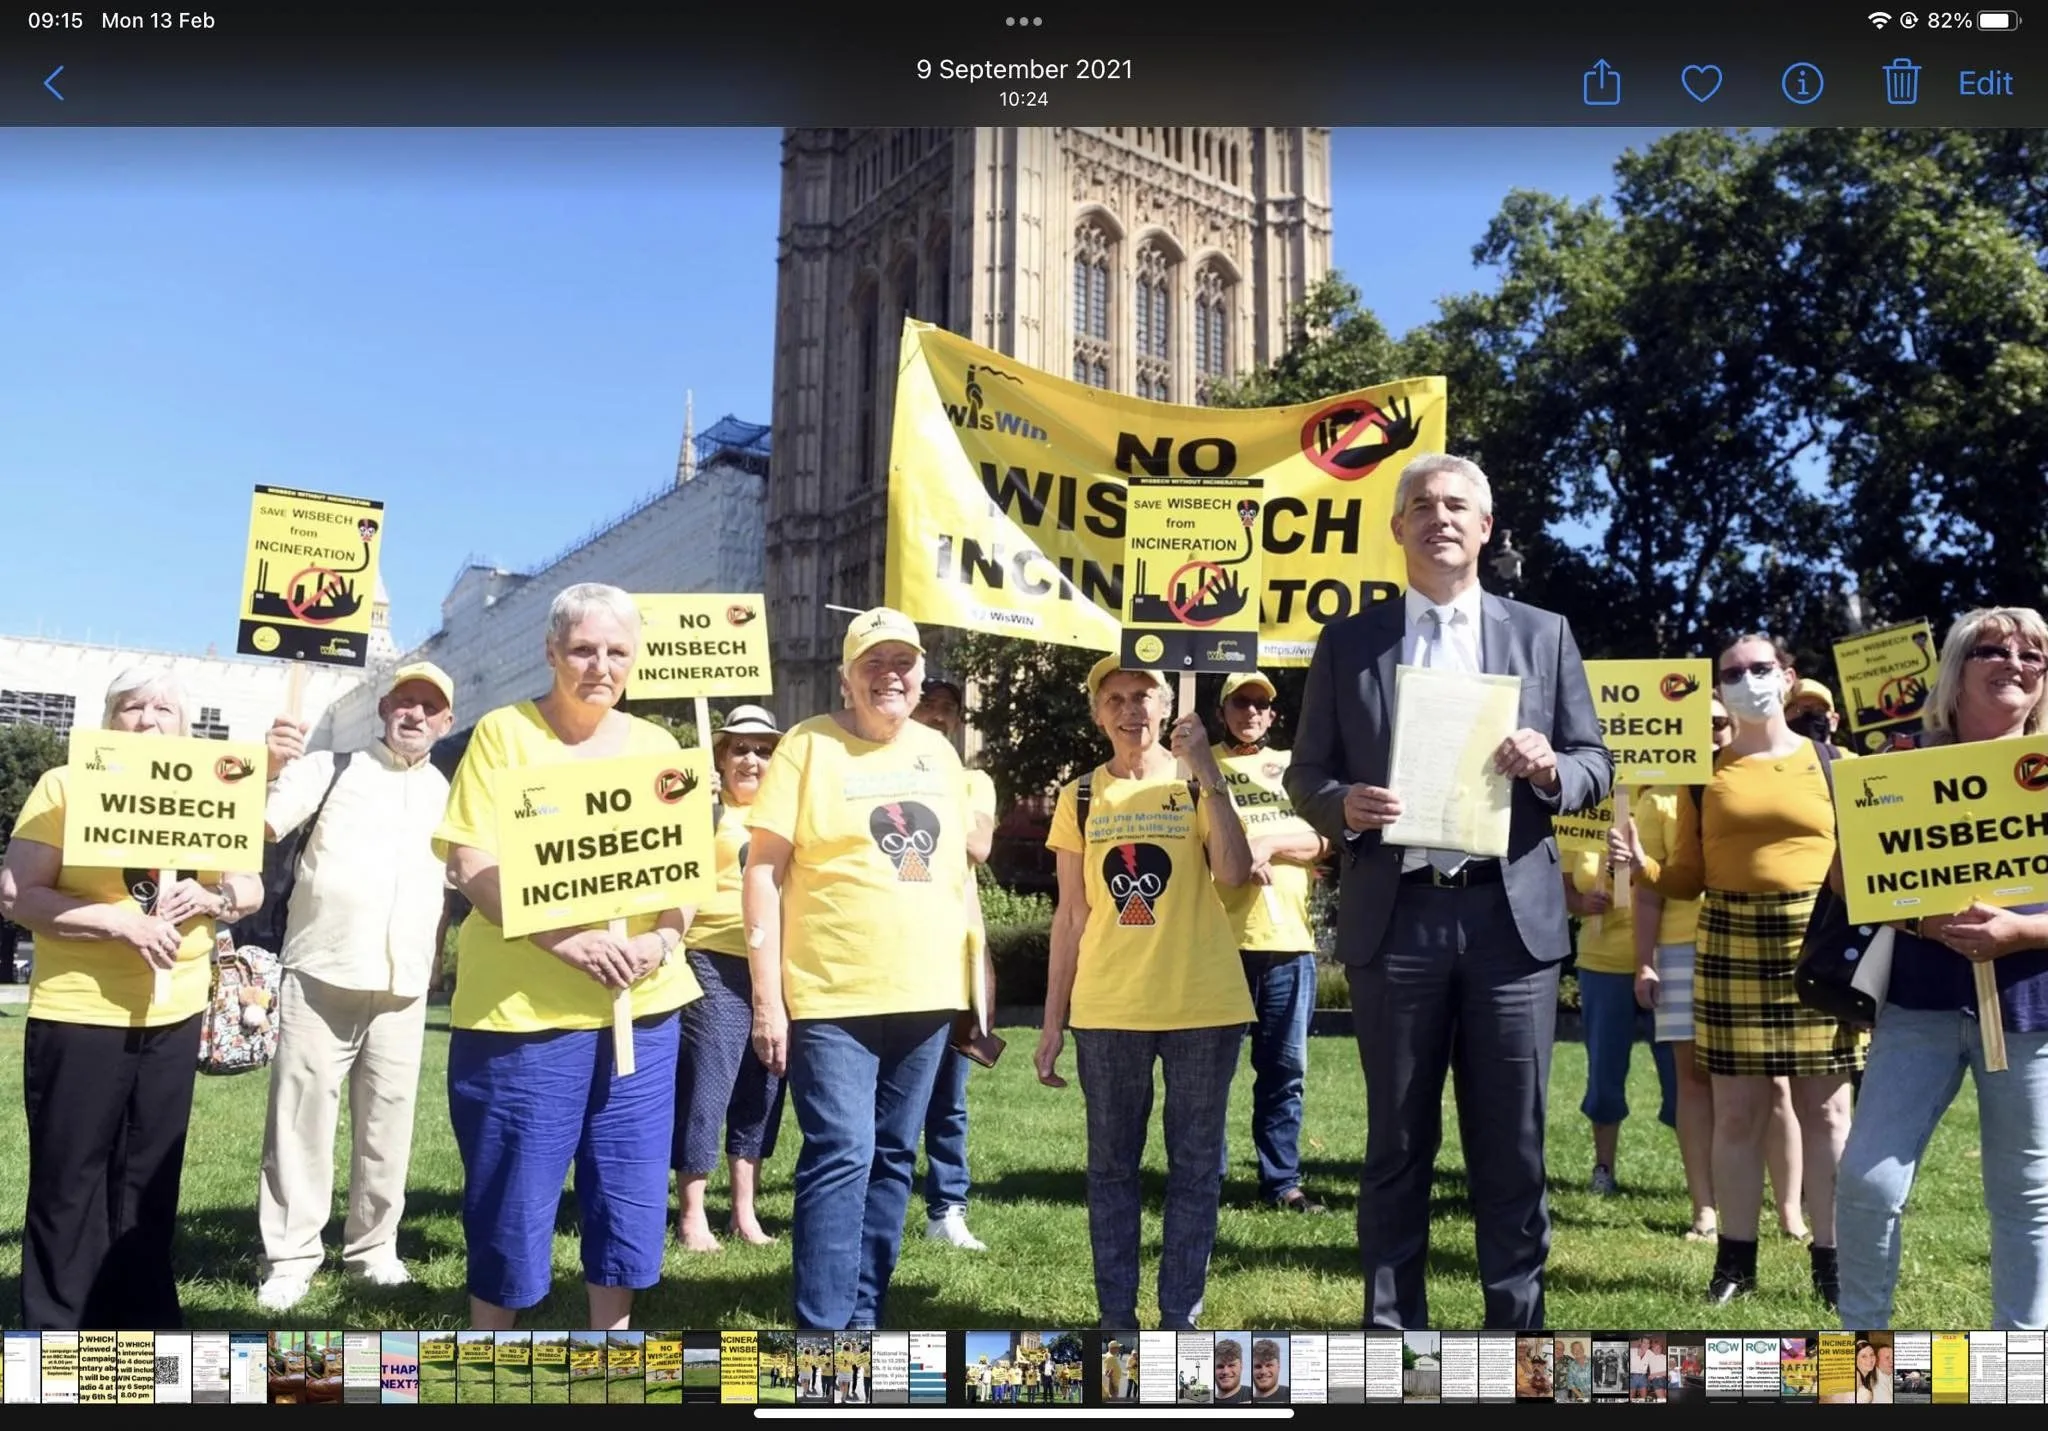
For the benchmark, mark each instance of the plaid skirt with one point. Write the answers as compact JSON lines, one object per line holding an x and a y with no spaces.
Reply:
{"x":1746,"y":1018}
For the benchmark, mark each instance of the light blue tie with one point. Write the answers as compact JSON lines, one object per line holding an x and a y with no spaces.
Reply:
{"x":1437,"y":655}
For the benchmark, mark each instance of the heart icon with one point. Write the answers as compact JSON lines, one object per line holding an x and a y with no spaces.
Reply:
{"x":1702,"y":82}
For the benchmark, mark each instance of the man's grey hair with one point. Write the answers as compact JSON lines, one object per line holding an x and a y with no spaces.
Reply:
{"x":573,"y":603}
{"x":1421,"y":469}
{"x":146,"y":681}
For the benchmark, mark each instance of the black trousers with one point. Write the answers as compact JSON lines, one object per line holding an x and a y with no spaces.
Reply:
{"x":1454,"y":992}
{"x":107,"y":1114}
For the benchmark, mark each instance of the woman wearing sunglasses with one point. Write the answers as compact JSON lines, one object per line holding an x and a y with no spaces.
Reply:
{"x":1757,"y":843}
{"x":1990,"y":686}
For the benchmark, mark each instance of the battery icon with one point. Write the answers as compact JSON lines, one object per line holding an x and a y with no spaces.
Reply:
{"x":1998,"y":19}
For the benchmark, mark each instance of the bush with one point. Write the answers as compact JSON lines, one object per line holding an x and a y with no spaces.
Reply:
{"x":1001,"y":906}
{"x":1022,"y":954}
{"x":1333,"y":991}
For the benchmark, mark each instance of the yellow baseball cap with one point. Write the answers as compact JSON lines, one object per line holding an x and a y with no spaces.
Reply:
{"x":1812,"y":690}
{"x":426,"y":671}
{"x":873,"y":627}
{"x":1247,"y":678}
{"x":1109,"y":665}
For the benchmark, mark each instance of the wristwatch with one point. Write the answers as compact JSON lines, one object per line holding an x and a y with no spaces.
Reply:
{"x":1219,"y":786}
{"x":226,"y":913}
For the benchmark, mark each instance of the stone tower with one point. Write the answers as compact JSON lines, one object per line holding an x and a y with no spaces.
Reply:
{"x":1145,"y":260}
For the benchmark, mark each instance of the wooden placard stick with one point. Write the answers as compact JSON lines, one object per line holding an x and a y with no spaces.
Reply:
{"x":703,"y":711}
{"x":295,"y":691}
{"x":1623,"y":883}
{"x":1990,"y":1017}
{"x":160,"y":979}
{"x":1184,"y":701}
{"x":622,"y":1018}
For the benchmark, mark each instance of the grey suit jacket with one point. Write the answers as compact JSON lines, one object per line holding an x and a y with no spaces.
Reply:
{"x":1343,"y":739}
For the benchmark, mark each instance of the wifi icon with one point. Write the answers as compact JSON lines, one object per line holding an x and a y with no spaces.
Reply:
{"x":1879,"y":18}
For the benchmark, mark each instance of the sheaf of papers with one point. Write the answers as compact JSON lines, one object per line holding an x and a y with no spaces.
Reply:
{"x":1448,"y":726}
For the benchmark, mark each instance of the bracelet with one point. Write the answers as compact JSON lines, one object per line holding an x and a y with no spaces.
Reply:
{"x":667,"y":948}
{"x":226,"y":913}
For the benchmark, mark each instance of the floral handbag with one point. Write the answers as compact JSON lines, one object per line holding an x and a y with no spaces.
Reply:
{"x":240,"y":1028}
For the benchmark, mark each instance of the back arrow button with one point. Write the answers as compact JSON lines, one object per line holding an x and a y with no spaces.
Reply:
{"x":52,"y":75}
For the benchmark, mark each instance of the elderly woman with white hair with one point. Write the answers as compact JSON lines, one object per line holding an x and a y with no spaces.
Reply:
{"x":1145,"y":969}
{"x":531,"y":1082}
{"x":107,"y":1074}
{"x":1992,"y":685}
{"x":861,"y":915}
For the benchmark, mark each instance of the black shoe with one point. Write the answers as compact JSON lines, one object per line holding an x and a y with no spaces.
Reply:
{"x":1827,"y":1276}
{"x":1727,"y":1286}
{"x":1297,"y":1200}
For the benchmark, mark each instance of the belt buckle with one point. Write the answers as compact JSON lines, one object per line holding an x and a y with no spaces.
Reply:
{"x":1441,"y":880}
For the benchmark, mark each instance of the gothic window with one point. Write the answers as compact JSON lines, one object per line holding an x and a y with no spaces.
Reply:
{"x":1093,"y":250}
{"x":1212,"y":329}
{"x":1154,"y":324}
{"x":907,"y":305}
{"x":870,"y":337}
{"x":942,"y":279}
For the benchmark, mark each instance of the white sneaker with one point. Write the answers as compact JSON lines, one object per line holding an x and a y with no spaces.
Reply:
{"x":1604,"y":1184}
{"x":385,"y":1274}
{"x":282,"y":1293}
{"x":953,"y":1228}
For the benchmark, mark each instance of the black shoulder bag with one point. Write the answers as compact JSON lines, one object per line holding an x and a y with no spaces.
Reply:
{"x":1832,"y":947}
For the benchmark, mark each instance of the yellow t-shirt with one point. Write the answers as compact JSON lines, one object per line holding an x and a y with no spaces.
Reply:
{"x":718,"y":927}
{"x":874,"y":915}
{"x":1656,"y":812}
{"x":104,"y":981}
{"x":513,"y":985}
{"x":981,"y":794}
{"x":1158,"y":951}
{"x":1271,"y":918}
{"x":1769,"y":828}
{"x":1607,"y":941}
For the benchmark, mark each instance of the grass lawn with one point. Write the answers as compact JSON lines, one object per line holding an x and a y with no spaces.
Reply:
{"x":1618,"y":1262}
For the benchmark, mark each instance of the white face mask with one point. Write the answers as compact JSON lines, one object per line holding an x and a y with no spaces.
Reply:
{"x":1754,"y":698}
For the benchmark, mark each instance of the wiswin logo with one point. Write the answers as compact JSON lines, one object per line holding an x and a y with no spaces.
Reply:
{"x":979,"y":414}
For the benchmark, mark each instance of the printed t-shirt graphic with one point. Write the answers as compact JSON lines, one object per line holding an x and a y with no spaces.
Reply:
{"x":874,"y":918}
{"x":908,"y":833}
{"x":512,"y":985}
{"x":1158,"y":951}
{"x":104,"y":981}
{"x":1277,"y":924}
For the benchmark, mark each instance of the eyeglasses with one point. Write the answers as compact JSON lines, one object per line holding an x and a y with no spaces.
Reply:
{"x":2027,"y":660}
{"x":1731,"y":674}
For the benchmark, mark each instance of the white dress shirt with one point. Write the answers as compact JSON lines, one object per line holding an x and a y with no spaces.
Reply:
{"x":1456,"y":649}
{"x":370,"y":892}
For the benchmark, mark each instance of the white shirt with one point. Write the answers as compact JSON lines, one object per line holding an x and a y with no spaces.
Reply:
{"x":370,"y":892}
{"x":1458,"y":651}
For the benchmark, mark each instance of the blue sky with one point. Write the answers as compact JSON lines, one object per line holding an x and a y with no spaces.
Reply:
{"x":490,"y":331}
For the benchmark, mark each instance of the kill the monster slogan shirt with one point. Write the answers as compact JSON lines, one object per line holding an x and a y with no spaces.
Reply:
{"x":1269,"y":918}
{"x":874,"y":918}
{"x":513,"y":985}
{"x":1158,"y":951}
{"x":105,"y":981}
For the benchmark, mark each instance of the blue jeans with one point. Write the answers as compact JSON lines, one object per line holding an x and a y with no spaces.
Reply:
{"x":1116,"y":1084}
{"x":1607,"y":1009}
{"x":860,"y":1087}
{"x":945,"y":1137}
{"x":1916,"y":1067}
{"x":1283,"y":1000}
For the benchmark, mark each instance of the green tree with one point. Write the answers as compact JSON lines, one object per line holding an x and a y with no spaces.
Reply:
{"x":27,"y":752}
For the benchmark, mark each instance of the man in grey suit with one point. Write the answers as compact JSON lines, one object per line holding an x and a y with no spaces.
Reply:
{"x":1452,"y":961}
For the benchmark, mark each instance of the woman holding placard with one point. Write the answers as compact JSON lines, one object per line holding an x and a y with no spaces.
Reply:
{"x":1757,"y":842}
{"x":1145,"y":969}
{"x":1992,"y":685}
{"x":861,"y":917}
{"x":107,"y":1072}
{"x":531,"y":1081}
{"x":720,"y":1086}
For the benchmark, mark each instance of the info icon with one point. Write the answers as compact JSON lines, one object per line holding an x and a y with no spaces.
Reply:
{"x":1802,"y":83}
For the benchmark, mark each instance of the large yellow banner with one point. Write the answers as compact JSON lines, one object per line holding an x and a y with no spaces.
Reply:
{"x":1926,"y":832}
{"x":164,"y":802}
{"x":1007,"y":494}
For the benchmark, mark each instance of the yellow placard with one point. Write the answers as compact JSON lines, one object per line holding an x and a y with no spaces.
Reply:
{"x":622,"y":1361}
{"x":164,"y":802}
{"x":309,"y":578}
{"x":1261,"y":799}
{"x":1926,"y":832}
{"x":515,"y":1349}
{"x":437,"y":1349}
{"x":739,"y":1369}
{"x":1657,"y":718}
{"x":1837,"y":1357}
{"x":480,"y":1351}
{"x":1191,"y":574}
{"x":1886,"y":675}
{"x":1008,"y":505}
{"x":550,"y":1353}
{"x":586,"y":1361}
{"x":1951,"y":1353}
{"x":587,"y":841}
{"x":697,"y":645}
{"x":1585,"y":830}
{"x":664,"y":1358}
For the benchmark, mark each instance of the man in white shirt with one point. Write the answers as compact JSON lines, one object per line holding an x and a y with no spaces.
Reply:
{"x":358,"y":952}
